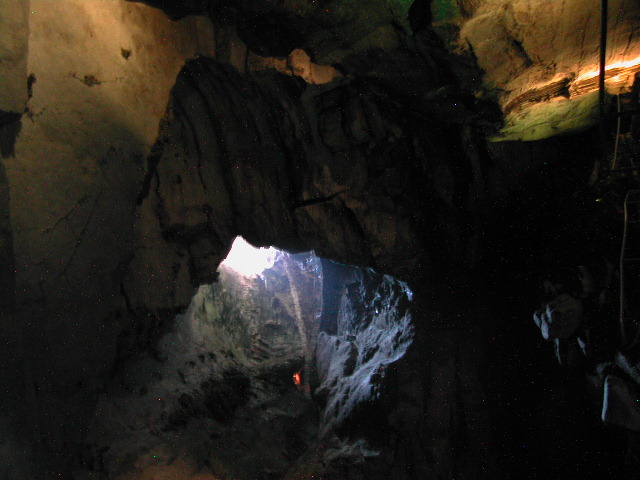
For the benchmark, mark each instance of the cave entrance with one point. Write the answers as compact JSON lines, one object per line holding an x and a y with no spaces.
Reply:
{"x":281,"y":352}
{"x":248,"y":260}
{"x":283,"y":290}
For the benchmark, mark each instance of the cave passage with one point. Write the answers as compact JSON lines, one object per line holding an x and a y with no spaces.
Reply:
{"x":247,"y":259}
{"x":248,"y":383}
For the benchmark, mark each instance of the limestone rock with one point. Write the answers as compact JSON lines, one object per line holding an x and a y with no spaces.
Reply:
{"x":339,"y":177}
{"x":374,"y":331}
{"x":560,"y":318}
{"x":543,"y":67}
{"x":620,"y":405}
{"x":220,"y":379}
{"x":14,"y":37}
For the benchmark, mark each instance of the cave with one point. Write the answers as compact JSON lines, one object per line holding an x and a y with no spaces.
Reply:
{"x":328,"y":239}
{"x":250,"y":381}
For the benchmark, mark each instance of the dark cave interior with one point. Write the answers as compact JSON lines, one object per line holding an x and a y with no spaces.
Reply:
{"x":440,"y":276}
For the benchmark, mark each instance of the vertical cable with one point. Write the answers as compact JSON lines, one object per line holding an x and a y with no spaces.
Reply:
{"x":604,"y":18}
{"x":614,"y":164}
{"x":623,"y":332}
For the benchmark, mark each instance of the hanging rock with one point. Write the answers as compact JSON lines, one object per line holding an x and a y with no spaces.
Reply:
{"x":620,"y":405}
{"x":560,"y":318}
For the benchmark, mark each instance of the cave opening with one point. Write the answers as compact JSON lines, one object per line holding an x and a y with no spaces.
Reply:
{"x":287,"y":361}
{"x":248,"y":260}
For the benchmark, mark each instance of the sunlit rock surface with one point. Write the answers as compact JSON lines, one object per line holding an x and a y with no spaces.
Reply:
{"x":217,"y":397}
{"x":374,"y":331}
{"x":217,"y":392}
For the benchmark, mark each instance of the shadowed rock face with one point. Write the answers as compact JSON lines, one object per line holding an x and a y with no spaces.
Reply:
{"x":538,"y":60}
{"x":216,"y":391}
{"x":327,"y":28}
{"x":343,"y":171}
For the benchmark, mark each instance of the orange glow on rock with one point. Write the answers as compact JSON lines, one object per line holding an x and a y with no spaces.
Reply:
{"x":612,"y":66}
{"x":297,"y":379}
{"x":618,"y":76}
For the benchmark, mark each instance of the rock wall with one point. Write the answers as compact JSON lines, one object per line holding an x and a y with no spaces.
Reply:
{"x":538,"y":60}
{"x":374,"y":331}
{"x":14,"y":88}
{"x":339,"y":169}
{"x":215,"y":397}
{"x":105,"y":234}
{"x":13,"y":65}
{"x":402,"y":386}
{"x":78,"y":75}
{"x":76,"y":167}
{"x":541,"y":58}
{"x":357,"y":386}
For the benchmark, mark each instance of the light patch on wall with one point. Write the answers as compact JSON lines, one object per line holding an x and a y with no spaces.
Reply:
{"x":619,"y":77}
{"x":298,"y":64}
{"x":612,"y":66}
{"x":248,"y":260}
{"x":564,"y":104}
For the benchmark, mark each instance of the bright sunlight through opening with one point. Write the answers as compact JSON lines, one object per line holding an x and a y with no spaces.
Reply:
{"x":248,"y":260}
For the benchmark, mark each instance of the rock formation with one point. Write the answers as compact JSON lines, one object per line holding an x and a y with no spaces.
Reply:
{"x":444,"y":148}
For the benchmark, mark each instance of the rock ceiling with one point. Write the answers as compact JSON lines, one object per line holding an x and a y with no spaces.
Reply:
{"x":539,"y":58}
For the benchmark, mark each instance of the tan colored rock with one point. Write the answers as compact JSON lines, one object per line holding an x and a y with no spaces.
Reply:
{"x":14,"y":35}
{"x":534,"y":52}
{"x":102,"y":71}
{"x":92,"y":118}
{"x":298,"y":63}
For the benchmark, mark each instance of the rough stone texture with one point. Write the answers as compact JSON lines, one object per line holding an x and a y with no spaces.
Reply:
{"x":304,"y":303}
{"x":374,"y":331}
{"x":534,"y":52}
{"x":298,"y":63}
{"x":386,"y":167}
{"x":560,"y":318}
{"x":107,"y":155}
{"x":326,"y":29}
{"x":91,"y":117}
{"x":215,"y":397}
{"x":337,"y":175}
{"x":217,"y":392}
{"x":619,"y":406}
{"x":539,"y":59}
{"x":14,"y":37}
{"x":14,"y":90}
{"x":373,"y":40}
{"x":428,"y":416}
